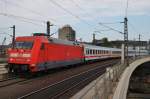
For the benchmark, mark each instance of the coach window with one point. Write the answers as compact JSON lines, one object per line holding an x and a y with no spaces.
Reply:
{"x":107,"y":52}
{"x":86,"y":51}
{"x":90,"y":51}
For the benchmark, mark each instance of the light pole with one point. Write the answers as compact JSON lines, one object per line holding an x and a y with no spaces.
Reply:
{"x":94,"y":36}
{"x":49,"y":28}
{"x":13,"y":39}
{"x":126,"y":39}
{"x":139,"y":44}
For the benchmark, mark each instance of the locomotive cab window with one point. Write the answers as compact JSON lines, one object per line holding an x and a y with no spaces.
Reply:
{"x":23,"y":45}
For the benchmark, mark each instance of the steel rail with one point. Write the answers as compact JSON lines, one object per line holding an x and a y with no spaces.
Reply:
{"x":62,"y":81}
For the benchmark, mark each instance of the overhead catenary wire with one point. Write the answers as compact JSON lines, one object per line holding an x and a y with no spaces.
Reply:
{"x":4,"y":28}
{"x":111,"y":22}
{"x":21,"y":17}
{"x":7,"y":34}
{"x":69,"y":12}
{"x":28,"y":20}
{"x":81,"y":8}
{"x":126,"y":13}
{"x":74,"y":2}
{"x":104,"y":30}
{"x":39,"y":13}
{"x":60,"y":6}
{"x":132,"y":26}
{"x":54,"y":33}
{"x":111,"y":28}
{"x":27,"y":9}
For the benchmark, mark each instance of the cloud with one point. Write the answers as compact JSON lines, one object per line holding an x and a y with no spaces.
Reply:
{"x":85,"y":9}
{"x":79,"y":11}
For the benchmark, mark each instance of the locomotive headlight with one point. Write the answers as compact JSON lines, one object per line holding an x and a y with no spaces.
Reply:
{"x":26,"y":55}
{"x":11,"y":59}
{"x":14,"y":55}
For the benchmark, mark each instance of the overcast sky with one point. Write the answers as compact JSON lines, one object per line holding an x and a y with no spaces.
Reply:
{"x":82,"y":15}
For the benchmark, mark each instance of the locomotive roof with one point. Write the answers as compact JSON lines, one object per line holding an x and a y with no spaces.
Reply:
{"x":45,"y":38}
{"x":60,"y":41}
{"x":66,"y":42}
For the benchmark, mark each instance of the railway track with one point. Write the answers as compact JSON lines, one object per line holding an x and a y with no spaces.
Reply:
{"x":66,"y":88}
{"x":11,"y":81}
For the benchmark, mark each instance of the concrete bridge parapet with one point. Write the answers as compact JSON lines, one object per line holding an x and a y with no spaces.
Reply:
{"x":122,"y":87}
{"x":111,"y":85}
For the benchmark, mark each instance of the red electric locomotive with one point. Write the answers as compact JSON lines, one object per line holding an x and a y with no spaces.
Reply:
{"x":39,"y":52}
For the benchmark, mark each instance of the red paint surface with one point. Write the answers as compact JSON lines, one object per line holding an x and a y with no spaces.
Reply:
{"x":51,"y":52}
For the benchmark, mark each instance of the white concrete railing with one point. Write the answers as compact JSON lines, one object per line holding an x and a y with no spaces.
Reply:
{"x":105,"y":86}
{"x":122,"y":88}
{"x":102,"y":87}
{"x":3,"y":69}
{"x":3,"y":60}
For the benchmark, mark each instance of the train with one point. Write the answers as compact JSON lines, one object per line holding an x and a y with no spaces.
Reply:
{"x":41,"y":52}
